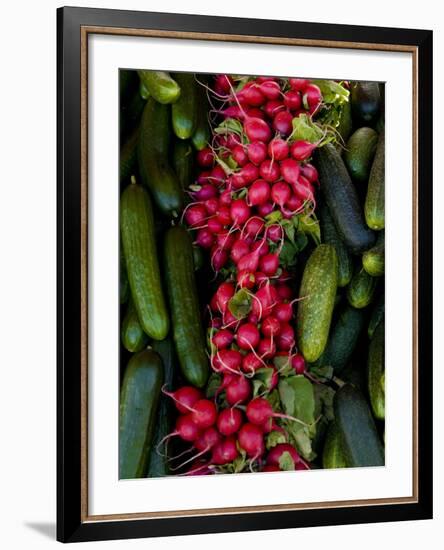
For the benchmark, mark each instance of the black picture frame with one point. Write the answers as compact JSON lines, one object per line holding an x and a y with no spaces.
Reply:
{"x":71,"y":525}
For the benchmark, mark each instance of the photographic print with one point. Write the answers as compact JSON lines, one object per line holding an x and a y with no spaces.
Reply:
{"x":252,"y":215}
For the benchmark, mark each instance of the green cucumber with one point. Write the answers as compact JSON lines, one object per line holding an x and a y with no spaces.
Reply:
{"x":342,"y":339}
{"x":345,"y":125}
{"x":376,"y":372}
{"x":124,"y":291}
{"x":333,"y":453}
{"x":359,"y":437}
{"x":317,"y":297}
{"x":198,"y":258}
{"x":377,"y":315}
{"x":153,"y":149}
{"x":365,"y":101}
{"x":133,"y":337}
{"x":139,"y":248}
{"x":361,"y":289}
{"x":201,"y":135}
{"x":139,"y":397}
{"x":184,"y":110}
{"x":128,"y":155}
{"x":373,"y":260}
{"x":144,"y":92}
{"x":160,"y":86}
{"x":183,"y":163}
{"x":342,"y":200}
{"x":188,"y":334}
{"x":330,"y":236}
{"x":374,"y":207}
{"x":359,"y":153}
{"x":130,"y":113}
{"x":158,"y":464}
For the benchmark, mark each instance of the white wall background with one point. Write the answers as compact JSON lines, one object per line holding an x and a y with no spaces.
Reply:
{"x":28,"y":242}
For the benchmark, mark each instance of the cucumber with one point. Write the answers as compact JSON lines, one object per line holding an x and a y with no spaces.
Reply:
{"x":133,"y":337}
{"x":183,"y":163}
{"x":376,"y":372}
{"x":345,"y":122}
{"x":198,"y":258}
{"x":342,"y":200}
{"x":139,"y":248}
{"x":153,"y":148}
{"x":144,"y":92}
{"x":160,"y":86}
{"x":359,"y":153}
{"x":374,"y":207}
{"x":373,"y":260}
{"x":188,"y":334}
{"x":201,"y":135}
{"x":377,"y":315}
{"x":130,"y":113}
{"x":184,"y":110}
{"x":333,"y":453}
{"x":124,"y":291}
{"x":330,"y":236}
{"x":359,"y":438}
{"x":361,"y":289}
{"x":342,"y":339}
{"x":158,"y":465}
{"x":317,"y":291}
{"x":139,"y":397}
{"x":365,"y":101}
{"x":128,"y":155}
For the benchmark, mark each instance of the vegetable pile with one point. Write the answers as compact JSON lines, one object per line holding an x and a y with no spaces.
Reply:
{"x":260,"y":342}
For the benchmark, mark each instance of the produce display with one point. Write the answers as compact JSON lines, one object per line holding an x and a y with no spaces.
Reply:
{"x":251,"y":274}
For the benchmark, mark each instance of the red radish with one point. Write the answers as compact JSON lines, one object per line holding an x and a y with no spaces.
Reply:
{"x":225,"y":198}
{"x":217,"y":175}
{"x":251,"y":440}
{"x":266,"y":348}
{"x":275,"y":233}
{"x":283,"y":123}
{"x":207,"y":439}
{"x":195,"y":215}
{"x":309,"y":172}
{"x":298,"y":363}
{"x":284,"y":291}
{"x":312,"y":98}
{"x":293,"y":100}
{"x":224,"y":215}
{"x":251,"y":362}
{"x":259,"y":192}
{"x":304,"y":191}
{"x":298,"y":84}
{"x":229,"y":421}
{"x":255,"y":112}
{"x":265,"y":209}
{"x":290,"y":170}
{"x":248,"y":336}
{"x":204,"y":413}
{"x":257,"y":152}
{"x":253,"y":227}
{"x":283,"y":312}
{"x":257,"y":129}
{"x":239,"y":155}
{"x":234,"y":111}
{"x":270,"y":326}
{"x":252,"y":95}
{"x":223,"y":338}
{"x":276,"y":453}
{"x":249,"y":262}
{"x":223,"y":294}
{"x":261,"y":280}
{"x":207,"y":191}
{"x":259,"y":412}
{"x":273,"y":107}
{"x":227,"y":360}
{"x":237,"y":181}
{"x":219,"y":258}
{"x":225,"y":239}
{"x":280,"y":193}
{"x":184,"y":398}
{"x":204,"y":238}
{"x":260,"y":246}
{"x":229,"y":319}
{"x":212,"y":206}
{"x":216,"y":322}
{"x":199,"y":468}
{"x":270,"y":468}
{"x":186,"y":429}
{"x":269,"y":170}
{"x":203,"y":177}
{"x":270,"y":89}
{"x":269,"y":264}
{"x":302,"y":150}
{"x":246,"y":279}
{"x":214,"y":225}
{"x":278,"y":149}
{"x":285,"y":340}
{"x":264,"y":301}
{"x":223,"y":84}
{"x":239,"y":211}
{"x":205,"y":158}
{"x":294,"y":203}
{"x":239,"y":249}
{"x":225,"y":451}
{"x":252,"y":318}
{"x":274,"y":380}
{"x":238,"y":390}
{"x":249,"y":172}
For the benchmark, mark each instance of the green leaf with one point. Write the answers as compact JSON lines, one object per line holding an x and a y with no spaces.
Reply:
{"x":274,"y":438}
{"x":240,"y":304}
{"x":297,"y":397}
{"x":332,"y":92}
{"x":213,"y":384}
{"x":306,"y":130}
{"x":264,"y":375}
{"x":283,"y":365}
{"x":229,"y":125}
{"x":286,"y":462}
{"x":303,"y":443}
{"x":322,"y":374}
{"x":274,"y":217}
{"x":288,"y":255}
{"x":310,"y":226}
{"x":324,"y":401}
{"x":301,"y":240}
{"x":289,"y":231}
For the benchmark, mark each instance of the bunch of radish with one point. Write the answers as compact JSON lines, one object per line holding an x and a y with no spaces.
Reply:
{"x":253,"y":177}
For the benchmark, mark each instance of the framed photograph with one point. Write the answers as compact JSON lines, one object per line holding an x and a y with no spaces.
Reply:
{"x":244,"y":274}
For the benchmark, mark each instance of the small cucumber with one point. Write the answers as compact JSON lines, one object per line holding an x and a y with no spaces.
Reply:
{"x":359,"y":438}
{"x":361,"y":289}
{"x":333,"y":453}
{"x":160,"y":86}
{"x":133,"y":337}
{"x":365,"y":102}
{"x":183,"y":163}
{"x":153,"y":149}
{"x":201,"y":135}
{"x":184,"y":110}
{"x":342,"y":200}
{"x":188,"y":334}
{"x":139,"y":397}
{"x":373,"y":260}
{"x":377,"y":315}
{"x":128,"y":155}
{"x":374,"y":207}
{"x":376,"y":372}
{"x":330,"y":236}
{"x":359,"y":153}
{"x":139,"y":248}
{"x":317,"y":292}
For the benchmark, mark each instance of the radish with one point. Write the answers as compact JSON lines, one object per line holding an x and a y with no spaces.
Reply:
{"x":251,"y":362}
{"x":285,"y":340}
{"x":273,"y":107}
{"x":276,"y":453}
{"x":184,"y":398}
{"x":293,"y":100}
{"x":249,"y":262}
{"x":211,"y":206}
{"x":217,"y":176}
{"x":261,"y":280}
{"x":225,"y":451}
{"x":283,"y":123}
{"x":249,"y":172}
{"x":239,"y":211}
{"x":234,"y":111}
{"x":257,"y":152}
{"x":269,"y":264}
{"x":207,"y":440}
{"x":237,"y":181}
{"x":225,"y":198}
{"x":312,"y":98}
{"x":204,"y":413}
{"x":247,"y":336}
{"x":239,"y":249}
{"x":253,"y":227}
{"x":254,"y":112}
{"x":284,"y":291}
{"x":298,"y":363}
{"x":246,"y":279}
{"x":239,"y":155}
{"x":266,"y":348}
{"x":227,"y":360}
{"x":223,"y":338}
{"x":290,"y":170}
{"x":219,"y":258}
{"x":264,"y":301}
{"x":260,"y":246}
{"x":252,"y":95}
{"x":283,"y":312}
{"x":269,"y":170}
{"x":265,"y":209}
{"x":224,"y":215}
{"x":298,"y":84}
{"x":223,"y":294}
{"x":257,"y":129}
{"x":195,"y":215}
{"x":259,"y":412}
{"x":280,"y":193}
{"x":294,"y":203}
{"x":186,"y":429}
{"x":278,"y":149}
{"x":203,"y":177}
{"x":251,"y":440}
{"x":302,"y":150}
{"x":238,"y":390}
{"x":214,"y":225}
{"x":204,"y":238}
{"x":229,"y":421}
{"x":309,"y":172}
{"x":207,"y":191}
{"x":225,"y":239}
{"x":270,"y":468}
{"x":223,"y":84}
{"x":270,"y":89}
{"x":205,"y":158}
{"x":259,"y":192}
{"x":275,"y":233}
{"x":270,"y":326}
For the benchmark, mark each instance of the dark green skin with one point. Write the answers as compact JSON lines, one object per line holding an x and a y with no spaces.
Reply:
{"x":361,"y":289}
{"x":377,"y":315}
{"x":359,"y":153}
{"x":142,"y":266}
{"x":331,"y":236}
{"x":183,"y":162}
{"x":139,"y":397}
{"x":359,"y":437}
{"x":133,"y":337}
{"x":201,"y":135}
{"x":152,"y":154}
{"x":376,"y":372}
{"x":333,"y":453}
{"x":158,"y":465}
{"x":130,"y":113}
{"x":124,"y":291}
{"x":128,"y":155}
{"x":374,"y":207}
{"x":342,"y":339}
{"x":160,"y":86}
{"x":317,"y":298}
{"x":188,"y":334}
{"x":373,"y":260}
{"x":184,"y":110}
{"x":365,"y":102}
{"x":345,"y":122}
{"x":342,"y":200}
